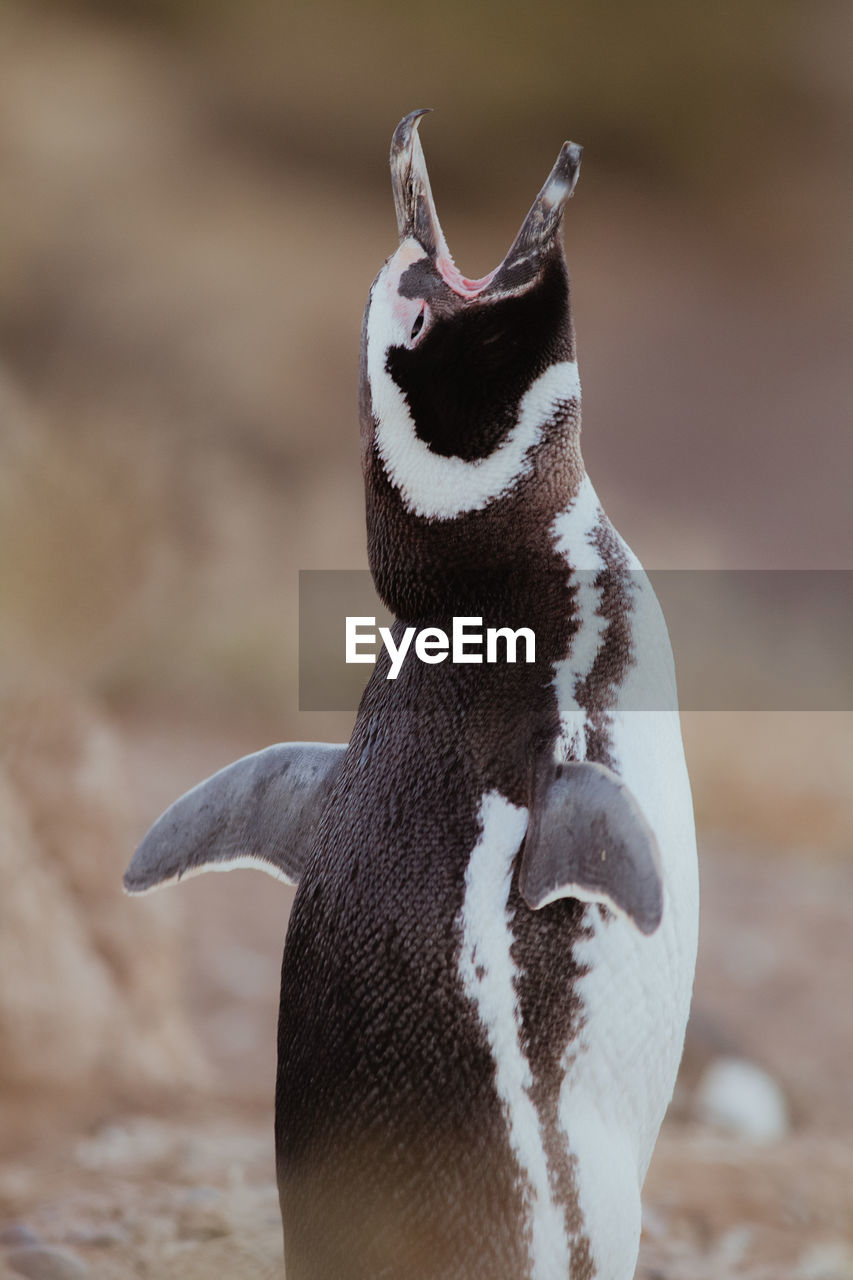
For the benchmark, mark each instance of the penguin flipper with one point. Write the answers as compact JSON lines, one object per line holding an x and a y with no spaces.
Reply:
{"x":587,"y":839}
{"x":258,"y":812}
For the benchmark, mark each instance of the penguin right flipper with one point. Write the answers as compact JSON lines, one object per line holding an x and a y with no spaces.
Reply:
{"x":258,"y":812}
{"x":587,"y":838}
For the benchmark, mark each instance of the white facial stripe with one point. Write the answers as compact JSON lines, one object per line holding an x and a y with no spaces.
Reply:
{"x":430,"y":484}
{"x":488,"y":975}
{"x":572,"y":531}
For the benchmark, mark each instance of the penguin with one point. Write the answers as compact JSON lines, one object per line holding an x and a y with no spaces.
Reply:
{"x":488,"y":965}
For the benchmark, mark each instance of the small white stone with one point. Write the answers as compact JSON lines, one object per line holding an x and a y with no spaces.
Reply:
{"x":734,"y":1245}
{"x":203,"y":1215}
{"x":136,"y":1143}
{"x":654,"y":1223}
{"x":827,"y":1260}
{"x":739,"y":1096}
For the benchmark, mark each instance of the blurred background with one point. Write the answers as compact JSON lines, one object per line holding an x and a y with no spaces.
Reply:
{"x":194,"y":199}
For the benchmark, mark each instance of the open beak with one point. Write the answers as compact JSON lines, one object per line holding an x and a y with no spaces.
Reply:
{"x":417,"y":218}
{"x":413,"y":200}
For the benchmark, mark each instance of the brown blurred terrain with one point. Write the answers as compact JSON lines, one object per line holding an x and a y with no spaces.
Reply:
{"x":193,"y":202}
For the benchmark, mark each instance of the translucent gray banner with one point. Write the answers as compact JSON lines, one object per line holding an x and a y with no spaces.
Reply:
{"x":743,"y":640}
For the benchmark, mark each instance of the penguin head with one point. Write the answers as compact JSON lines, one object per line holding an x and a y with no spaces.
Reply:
{"x":469,"y":388}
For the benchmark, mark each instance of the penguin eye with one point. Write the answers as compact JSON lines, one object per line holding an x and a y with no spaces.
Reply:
{"x":418,"y":325}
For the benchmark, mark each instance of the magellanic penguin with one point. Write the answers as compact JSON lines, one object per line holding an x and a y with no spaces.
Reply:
{"x":489,"y":960}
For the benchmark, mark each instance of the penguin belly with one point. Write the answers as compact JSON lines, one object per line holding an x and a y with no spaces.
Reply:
{"x":394,"y":1157}
{"x":431,"y":1104}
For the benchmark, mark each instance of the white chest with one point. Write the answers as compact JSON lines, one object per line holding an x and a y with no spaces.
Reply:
{"x":619,"y":1070}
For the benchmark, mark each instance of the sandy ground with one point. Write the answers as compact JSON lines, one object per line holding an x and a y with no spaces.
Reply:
{"x":181,"y":1200}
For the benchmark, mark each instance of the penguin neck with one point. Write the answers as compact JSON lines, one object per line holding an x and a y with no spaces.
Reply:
{"x":499,"y":718}
{"x":498,"y":562}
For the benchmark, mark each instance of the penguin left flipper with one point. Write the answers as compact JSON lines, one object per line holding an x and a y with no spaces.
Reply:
{"x":258,"y":812}
{"x":587,"y":839}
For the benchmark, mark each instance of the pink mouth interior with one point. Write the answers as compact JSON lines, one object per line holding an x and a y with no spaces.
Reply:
{"x":460,"y":284}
